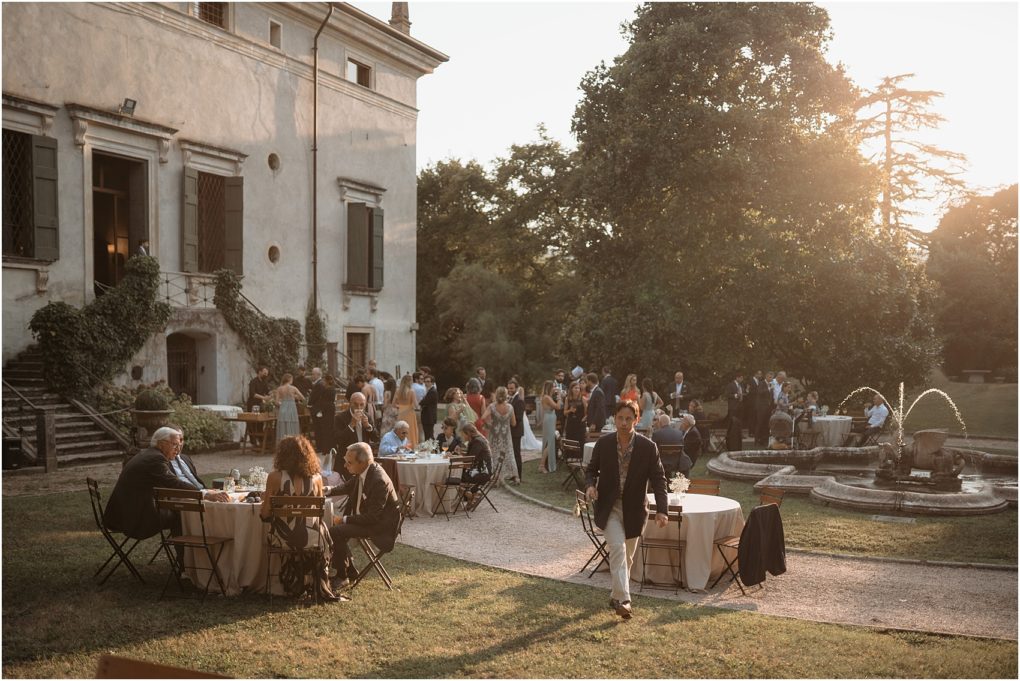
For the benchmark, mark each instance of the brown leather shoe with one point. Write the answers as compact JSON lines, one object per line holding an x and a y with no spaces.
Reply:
{"x":622,"y":609}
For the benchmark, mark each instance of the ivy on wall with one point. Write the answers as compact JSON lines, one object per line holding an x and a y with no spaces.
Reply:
{"x":83,"y":348}
{"x":271,"y":341}
{"x":315,"y":338}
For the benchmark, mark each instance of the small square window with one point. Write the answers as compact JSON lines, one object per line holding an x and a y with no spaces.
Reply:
{"x":214,"y":13}
{"x":274,"y":34}
{"x":359,"y":73}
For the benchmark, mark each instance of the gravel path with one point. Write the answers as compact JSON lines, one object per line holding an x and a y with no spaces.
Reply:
{"x":527,"y":538}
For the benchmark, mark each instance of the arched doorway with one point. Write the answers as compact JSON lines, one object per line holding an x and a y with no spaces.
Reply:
{"x":182,"y":365}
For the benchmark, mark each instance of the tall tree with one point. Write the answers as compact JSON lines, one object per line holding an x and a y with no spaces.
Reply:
{"x":973,"y":257}
{"x":730,"y":211}
{"x":911,"y":170}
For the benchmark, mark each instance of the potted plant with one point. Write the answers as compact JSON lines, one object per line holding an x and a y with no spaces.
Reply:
{"x":151,"y":410}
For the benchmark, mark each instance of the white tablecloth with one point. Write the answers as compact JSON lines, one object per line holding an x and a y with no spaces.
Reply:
{"x":705,"y":518}
{"x":242,"y":564}
{"x":227,"y":411}
{"x":831,"y":430}
{"x":422,"y":473}
{"x":589,"y":447}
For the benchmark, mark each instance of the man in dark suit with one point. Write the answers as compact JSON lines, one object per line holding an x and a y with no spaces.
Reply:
{"x":517,"y":429}
{"x":487,"y":385}
{"x":429,"y":407}
{"x":130,"y":509}
{"x":665,"y":434}
{"x":692,"y":438}
{"x":351,"y":426}
{"x":734,"y":404}
{"x":622,"y":466}
{"x":597,"y":413}
{"x":610,"y":387}
{"x":681,"y":395}
{"x":322,"y":405}
{"x":302,"y":382}
{"x":258,"y":389}
{"x":373,"y":509}
{"x":762,"y":409}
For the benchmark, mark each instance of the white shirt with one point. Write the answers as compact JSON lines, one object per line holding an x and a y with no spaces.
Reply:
{"x":876,"y":415}
{"x":378,"y":388}
{"x":777,"y":388}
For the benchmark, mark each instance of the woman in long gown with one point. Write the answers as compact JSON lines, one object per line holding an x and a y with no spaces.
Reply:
{"x":529,"y":443}
{"x":550,"y":405}
{"x":406,"y":402}
{"x":573,"y":414}
{"x":650,"y":401}
{"x":478,"y":404}
{"x":500,"y":417}
{"x":389,"y":409}
{"x":286,"y":397}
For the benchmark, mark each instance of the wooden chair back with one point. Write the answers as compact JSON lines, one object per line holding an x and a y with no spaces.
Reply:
{"x":571,"y":449}
{"x":179,"y":500}
{"x":771,"y":495}
{"x":704,"y":486}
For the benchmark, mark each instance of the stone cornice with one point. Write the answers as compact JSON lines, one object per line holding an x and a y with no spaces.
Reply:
{"x":44,"y":111}
{"x":82,"y":116}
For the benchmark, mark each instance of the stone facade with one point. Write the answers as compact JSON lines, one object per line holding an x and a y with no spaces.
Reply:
{"x":232,"y":102}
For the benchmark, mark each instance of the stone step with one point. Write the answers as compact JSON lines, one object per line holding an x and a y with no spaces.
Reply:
{"x":46,"y":400}
{"x":85,"y":458}
{"x":17,"y":373}
{"x":29,"y":391}
{"x":71,"y":433}
{"x":93,"y":444}
{"x":18,"y":381}
{"x":20,"y":363}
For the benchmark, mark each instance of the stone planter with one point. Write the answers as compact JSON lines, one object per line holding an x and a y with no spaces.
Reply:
{"x":148,"y":422}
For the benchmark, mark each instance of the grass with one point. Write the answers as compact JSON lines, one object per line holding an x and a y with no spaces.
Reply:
{"x":809,"y":525}
{"x":449,"y":619}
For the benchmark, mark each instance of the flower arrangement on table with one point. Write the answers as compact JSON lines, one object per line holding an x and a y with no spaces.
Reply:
{"x":427,"y":447}
{"x":257,"y":477}
{"x":679,"y":483}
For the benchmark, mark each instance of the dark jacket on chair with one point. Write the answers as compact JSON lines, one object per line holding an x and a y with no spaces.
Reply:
{"x":131,"y":508}
{"x":604,"y":474}
{"x":380,"y":506}
{"x":762,"y":545}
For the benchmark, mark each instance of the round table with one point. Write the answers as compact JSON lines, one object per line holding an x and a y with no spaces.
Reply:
{"x":705,"y":519}
{"x":422,"y":473}
{"x":227,"y":411}
{"x":589,"y":447}
{"x":832,"y":430}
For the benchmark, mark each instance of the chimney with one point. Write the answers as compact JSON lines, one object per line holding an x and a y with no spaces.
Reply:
{"x":399,"y":18}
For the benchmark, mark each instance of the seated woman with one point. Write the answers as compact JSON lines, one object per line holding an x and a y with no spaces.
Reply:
{"x":296,"y":473}
{"x":447,"y":439}
{"x":457,"y":407}
{"x":480,"y":470}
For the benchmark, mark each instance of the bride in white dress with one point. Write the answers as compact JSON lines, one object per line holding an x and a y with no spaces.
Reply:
{"x":529,"y":443}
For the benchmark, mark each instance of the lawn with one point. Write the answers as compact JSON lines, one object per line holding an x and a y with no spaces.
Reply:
{"x":809,"y":525}
{"x":449,"y":619}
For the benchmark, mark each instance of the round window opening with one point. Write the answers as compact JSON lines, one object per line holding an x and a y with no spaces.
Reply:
{"x":274,"y":254}
{"x":274,"y":162}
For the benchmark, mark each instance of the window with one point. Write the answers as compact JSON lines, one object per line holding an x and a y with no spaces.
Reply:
{"x":274,"y":34}
{"x":357,"y":352}
{"x":364,"y":247}
{"x":213,"y":226}
{"x":214,"y":13}
{"x":30,"y":196}
{"x":359,"y":73}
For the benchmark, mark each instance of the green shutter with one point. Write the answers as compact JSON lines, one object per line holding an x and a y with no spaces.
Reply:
{"x":357,"y":245}
{"x":233,"y":243}
{"x":44,"y":198}
{"x":377,"y":248}
{"x":189,"y":223}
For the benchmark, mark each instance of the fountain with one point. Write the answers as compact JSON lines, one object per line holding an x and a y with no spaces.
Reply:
{"x":922,"y":477}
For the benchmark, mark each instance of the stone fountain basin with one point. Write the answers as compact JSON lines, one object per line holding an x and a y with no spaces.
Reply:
{"x":770,"y":468}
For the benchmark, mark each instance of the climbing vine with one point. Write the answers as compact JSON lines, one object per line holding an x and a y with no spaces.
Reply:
{"x":85,"y":347}
{"x":271,"y":341}
{"x":315,"y":337}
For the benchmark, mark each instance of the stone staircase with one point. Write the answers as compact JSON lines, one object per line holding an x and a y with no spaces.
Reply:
{"x":79,"y":439}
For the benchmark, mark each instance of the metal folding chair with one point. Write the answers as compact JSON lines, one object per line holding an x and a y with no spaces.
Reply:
{"x":297,"y":509}
{"x":118,"y":547}
{"x":669,"y":545}
{"x":573,"y":455}
{"x":188,"y":501}
{"x":375,"y":554}
{"x":458,"y":464}
{"x":483,"y":491}
{"x":593,"y":533}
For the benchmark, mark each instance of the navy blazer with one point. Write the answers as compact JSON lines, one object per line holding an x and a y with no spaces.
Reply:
{"x":645,"y":469}
{"x":597,"y":413}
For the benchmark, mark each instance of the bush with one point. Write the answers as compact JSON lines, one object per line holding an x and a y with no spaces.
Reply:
{"x":1008,"y":373}
{"x":202,"y":429}
{"x":150,"y":399}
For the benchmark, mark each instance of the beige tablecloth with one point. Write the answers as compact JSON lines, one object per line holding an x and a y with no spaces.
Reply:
{"x":705,"y":518}
{"x":242,"y":564}
{"x":589,"y":447}
{"x":422,"y":473}
{"x":831,"y":430}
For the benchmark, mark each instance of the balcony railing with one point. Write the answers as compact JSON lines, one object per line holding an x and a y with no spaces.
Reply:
{"x":192,"y":290}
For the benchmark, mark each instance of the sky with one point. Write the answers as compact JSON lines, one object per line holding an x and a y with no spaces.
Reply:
{"x":517,"y":65}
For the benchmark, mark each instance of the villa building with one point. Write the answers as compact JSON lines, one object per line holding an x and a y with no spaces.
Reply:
{"x":196,"y":132}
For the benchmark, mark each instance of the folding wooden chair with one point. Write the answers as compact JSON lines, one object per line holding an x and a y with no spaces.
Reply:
{"x":283,"y":509}
{"x":730,"y":543}
{"x":593,"y":533}
{"x":375,"y":554}
{"x":771,"y":495}
{"x":704,"y":486}
{"x":872,"y":439}
{"x":573,"y":455}
{"x":118,"y":548}
{"x":713,"y":435}
{"x":670,"y":456}
{"x":667,"y":544}
{"x":857,"y":426}
{"x":188,"y":501}
{"x":483,"y":491}
{"x":458,"y":464}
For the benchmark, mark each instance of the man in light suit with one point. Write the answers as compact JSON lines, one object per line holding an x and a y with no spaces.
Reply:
{"x":681,"y":394}
{"x":373,"y":510}
{"x":622,"y":466}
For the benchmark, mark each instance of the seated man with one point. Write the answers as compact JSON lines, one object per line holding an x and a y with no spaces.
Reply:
{"x":395,"y":442}
{"x":781,"y":429}
{"x":373,"y":510}
{"x":692,"y":440}
{"x":130,"y":509}
{"x":350,"y":426}
{"x":665,"y":434}
{"x":877,"y":413}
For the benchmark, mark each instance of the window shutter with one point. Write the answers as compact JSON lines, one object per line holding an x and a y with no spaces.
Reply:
{"x":377,"y":248}
{"x":357,"y":245}
{"x":44,"y":198}
{"x":233,"y":242}
{"x":189,"y":227}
